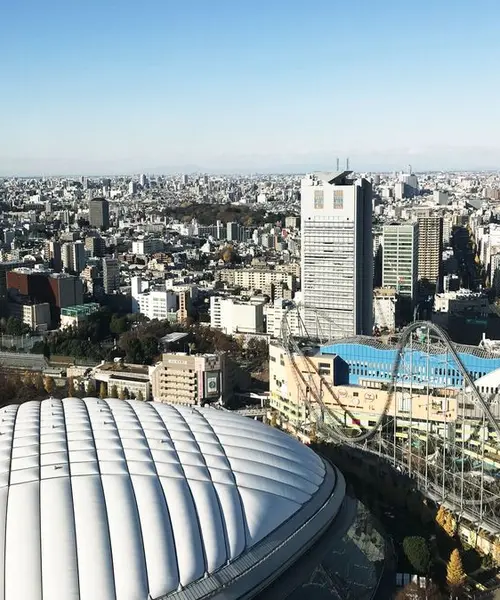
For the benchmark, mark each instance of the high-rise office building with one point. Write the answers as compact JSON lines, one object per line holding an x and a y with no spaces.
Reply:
{"x":74,"y":257}
{"x":132,"y":188}
{"x":430,"y":249}
{"x":400,"y":259}
{"x":99,"y":213}
{"x":53,"y":255}
{"x":110,"y":274}
{"x":337,"y":255}
{"x":95,"y":245}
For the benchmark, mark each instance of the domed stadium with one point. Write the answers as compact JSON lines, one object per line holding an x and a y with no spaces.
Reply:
{"x":129,"y":500}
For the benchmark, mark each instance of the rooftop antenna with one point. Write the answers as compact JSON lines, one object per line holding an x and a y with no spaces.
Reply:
{"x":347,"y":164}
{"x":338,"y":164}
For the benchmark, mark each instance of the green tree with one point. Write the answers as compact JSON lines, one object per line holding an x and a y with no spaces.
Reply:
{"x":71,"y":387}
{"x":49,"y":385}
{"x":16,"y":327}
{"x":103,"y":390}
{"x":114,"y":392}
{"x":140,"y":396}
{"x":417,"y":553}
{"x":455,"y":574}
{"x":119,"y":325}
{"x":91,"y":388}
{"x":122,"y":395}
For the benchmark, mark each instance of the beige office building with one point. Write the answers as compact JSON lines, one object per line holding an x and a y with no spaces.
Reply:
{"x":189,"y":379}
{"x":256,"y":279}
{"x":430,"y":249}
{"x":355,"y":405}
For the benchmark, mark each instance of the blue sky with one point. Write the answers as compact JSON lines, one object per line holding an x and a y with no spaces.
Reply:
{"x":109,"y":86}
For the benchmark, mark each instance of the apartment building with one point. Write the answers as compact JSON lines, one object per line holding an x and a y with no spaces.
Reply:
{"x":256,"y":279}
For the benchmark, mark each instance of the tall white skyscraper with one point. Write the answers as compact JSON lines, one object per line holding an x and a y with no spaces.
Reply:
{"x":400,"y":259}
{"x":337,"y":255}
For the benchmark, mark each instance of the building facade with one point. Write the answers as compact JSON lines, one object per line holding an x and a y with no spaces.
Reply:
{"x":233,"y":316}
{"x":400,"y":259}
{"x":430,"y":249}
{"x":99,"y":213}
{"x":110,"y":275}
{"x":337,"y":256}
{"x":189,"y":379}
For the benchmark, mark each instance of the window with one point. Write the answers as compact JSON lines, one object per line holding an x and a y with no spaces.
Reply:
{"x":319,"y":199}
{"x":338,"y":199}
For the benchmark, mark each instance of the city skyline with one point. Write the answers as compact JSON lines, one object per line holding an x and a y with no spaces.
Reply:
{"x":240,"y":88}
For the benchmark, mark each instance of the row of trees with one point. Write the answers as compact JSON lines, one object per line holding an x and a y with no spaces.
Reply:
{"x":209,"y":214}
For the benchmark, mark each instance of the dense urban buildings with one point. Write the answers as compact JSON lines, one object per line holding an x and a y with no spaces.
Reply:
{"x":214,"y":290}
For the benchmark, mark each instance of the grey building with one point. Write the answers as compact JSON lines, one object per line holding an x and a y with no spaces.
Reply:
{"x":99,"y":213}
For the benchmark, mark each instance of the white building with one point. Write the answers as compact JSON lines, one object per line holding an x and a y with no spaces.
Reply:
{"x":337,"y":255}
{"x":461,"y":302}
{"x":132,"y":188}
{"x":400,"y":259}
{"x":384,"y":308}
{"x":147,"y":246}
{"x":274,"y":318}
{"x":154,"y":304}
{"x":233,"y":316}
{"x":441,"y":198}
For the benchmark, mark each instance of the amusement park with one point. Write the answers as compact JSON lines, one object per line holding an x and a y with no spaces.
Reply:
{"x":418,"y":403}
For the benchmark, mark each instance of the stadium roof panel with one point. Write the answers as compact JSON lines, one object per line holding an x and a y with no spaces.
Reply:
{"x":111,"y":499}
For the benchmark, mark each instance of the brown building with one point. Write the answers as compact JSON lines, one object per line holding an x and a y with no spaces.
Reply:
{"x":430,"y":249}
{"x":57,"y":289}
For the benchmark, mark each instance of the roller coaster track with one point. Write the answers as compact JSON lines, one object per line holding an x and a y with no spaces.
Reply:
{"x":293,"y":350}
{"x":442,"y":479}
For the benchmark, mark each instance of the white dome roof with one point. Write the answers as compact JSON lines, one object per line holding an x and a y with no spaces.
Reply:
{"x":126,"y":500}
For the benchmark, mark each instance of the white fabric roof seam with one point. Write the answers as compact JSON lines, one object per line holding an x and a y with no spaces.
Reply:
{"x":71,"y":491}
{"x":210,"y":426}
{"x":89,"y":421}
{"x":226,"y":543}
{"x":133,"y":408}
{"x":16,"y":412}
{"x":167,"y":433}
{"x":133,"y":505}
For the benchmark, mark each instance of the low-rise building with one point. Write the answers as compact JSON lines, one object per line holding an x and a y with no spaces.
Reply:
{"x":73,"y":316}
{"x":256,"y":279}
{"x":131,"y":378}
{"x":233,"y":316}
{"x":36,"y":315}
{"x":275,"y":313}
{"x":384,"y":308}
